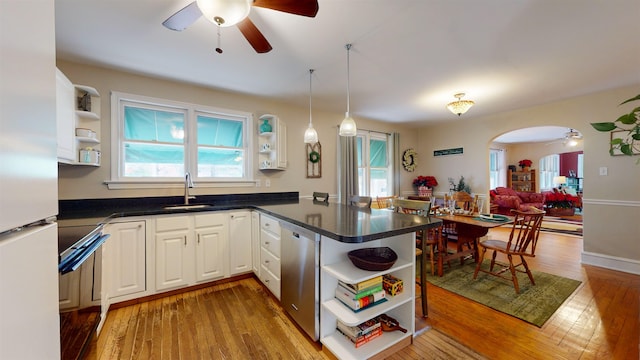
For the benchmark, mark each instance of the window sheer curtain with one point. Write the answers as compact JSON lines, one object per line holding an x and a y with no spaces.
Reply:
{"x":347,"y":168}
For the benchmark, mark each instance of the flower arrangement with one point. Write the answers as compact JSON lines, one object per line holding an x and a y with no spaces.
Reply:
{"x":428,"y":181}
{"x":558,"y":199}
{"x":525,"y":163}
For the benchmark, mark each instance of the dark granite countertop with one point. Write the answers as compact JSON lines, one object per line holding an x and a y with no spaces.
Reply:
{"x":340,"y":222}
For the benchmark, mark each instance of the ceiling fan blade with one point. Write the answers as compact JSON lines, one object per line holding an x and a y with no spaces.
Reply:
{"x":254,"y":36}
{"x":183,"y":18}
{"x":298,"y":7}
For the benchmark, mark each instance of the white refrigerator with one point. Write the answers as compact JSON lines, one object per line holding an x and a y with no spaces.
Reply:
{"x":29,"y":316}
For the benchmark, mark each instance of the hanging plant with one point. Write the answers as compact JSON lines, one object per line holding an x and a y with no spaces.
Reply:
{"x":627,"y":123}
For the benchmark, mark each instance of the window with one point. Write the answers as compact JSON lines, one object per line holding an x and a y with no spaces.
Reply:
{"x":497,"y":171}
{"x":549,"y":167}
{"x":374,"y":164}
{"x":157,"y":140}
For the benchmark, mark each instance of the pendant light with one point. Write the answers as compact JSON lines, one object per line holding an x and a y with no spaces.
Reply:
{"x":460,"y":106}
{"x":348,"y":125}
{"x":310,"y":135}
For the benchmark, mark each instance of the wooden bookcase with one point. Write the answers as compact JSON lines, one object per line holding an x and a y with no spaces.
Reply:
{"x":522,"y":180}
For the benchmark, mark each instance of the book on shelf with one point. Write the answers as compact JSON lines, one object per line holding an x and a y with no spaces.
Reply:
{"x":365,"y":284}
{"x":360,"y":329}
{"x":346,"y":297}
{"x":362,"y":293}
{"x":363,"y":339}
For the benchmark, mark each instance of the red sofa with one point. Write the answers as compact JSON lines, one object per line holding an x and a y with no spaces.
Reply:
{"x":507,"y":199}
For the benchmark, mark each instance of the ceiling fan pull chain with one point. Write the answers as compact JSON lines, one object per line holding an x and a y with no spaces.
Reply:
{"x":219,"y":49}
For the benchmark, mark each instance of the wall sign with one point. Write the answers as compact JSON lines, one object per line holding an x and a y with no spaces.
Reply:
{"x":454,"y":151}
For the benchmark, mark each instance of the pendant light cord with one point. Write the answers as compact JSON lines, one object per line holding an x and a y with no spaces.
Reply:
{"x":348,"y":46}
{"x":310,"y":74}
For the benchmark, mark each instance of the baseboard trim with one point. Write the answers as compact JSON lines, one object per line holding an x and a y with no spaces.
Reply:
{"x":611,"y":262}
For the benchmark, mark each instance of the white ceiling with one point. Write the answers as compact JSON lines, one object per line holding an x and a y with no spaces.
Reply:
{"x":409,"y":57}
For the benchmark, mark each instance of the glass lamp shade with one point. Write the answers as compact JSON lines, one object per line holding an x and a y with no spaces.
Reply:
{"x":460,"y":107}
{"x":559,"y":180}
{"x":310,"y":135}
{"x":348,"y":126}
{"x":224,"y":12}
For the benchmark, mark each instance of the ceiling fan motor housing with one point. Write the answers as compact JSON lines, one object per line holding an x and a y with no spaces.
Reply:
{"x":225,"y":13}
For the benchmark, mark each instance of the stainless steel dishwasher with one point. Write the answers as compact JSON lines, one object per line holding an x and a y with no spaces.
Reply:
{"x":300,"y":279}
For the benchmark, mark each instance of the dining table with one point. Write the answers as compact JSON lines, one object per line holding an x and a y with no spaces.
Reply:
{"x":470,"y":227}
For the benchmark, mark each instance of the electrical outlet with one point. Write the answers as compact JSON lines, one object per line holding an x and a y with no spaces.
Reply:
{"x":267,"y":183}
{"x":258,"y":183}
{"x":603,"y":171}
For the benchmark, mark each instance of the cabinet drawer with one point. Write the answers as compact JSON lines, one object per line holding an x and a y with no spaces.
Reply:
{"x":271,"y":282}
{"x":172,"y":223}
{"x":213,"y":219}
{"x":270,"y":262}
{"x":270,"y":242}
{"x":270,"y":224}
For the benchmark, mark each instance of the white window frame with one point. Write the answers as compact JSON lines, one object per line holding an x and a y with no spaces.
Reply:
{"x":366,"y":136}
{"x":549,"y":168}
{"x":497,"y":176}
{"x":117,"y":181}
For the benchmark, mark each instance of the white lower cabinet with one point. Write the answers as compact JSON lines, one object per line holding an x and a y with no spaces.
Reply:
{"x":240,"y":236}
{"x":190,"y":249}
{"x":255,"y":242}
{"x":69,"y":290}
{"x":126,"y":253}
{"x":270,"y":236}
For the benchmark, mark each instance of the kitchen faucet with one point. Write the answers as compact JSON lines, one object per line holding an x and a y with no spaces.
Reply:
{"x":188,"y":183}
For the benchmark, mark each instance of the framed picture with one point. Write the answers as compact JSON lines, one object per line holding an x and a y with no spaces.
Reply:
{"x":624,"y":135}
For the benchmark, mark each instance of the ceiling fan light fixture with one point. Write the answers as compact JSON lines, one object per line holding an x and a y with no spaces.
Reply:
{"x":310,"y":135}
{"x":460,"y":106}
{"x":225,"y":13}
{"x":348,"y":125}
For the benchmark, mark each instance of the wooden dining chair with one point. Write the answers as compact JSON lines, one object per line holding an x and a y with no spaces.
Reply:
{"x":361,"y":201}
{"x":464,"y":201}
{"x":385,"y":202}
{"x":320,"y":196}
{"x":522,"y":242}
{"x":423,"y":239}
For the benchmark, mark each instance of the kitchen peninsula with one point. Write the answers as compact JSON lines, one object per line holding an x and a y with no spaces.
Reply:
{"x":335,"y":229}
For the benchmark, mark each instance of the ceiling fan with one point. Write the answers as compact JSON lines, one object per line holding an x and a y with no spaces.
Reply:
{"x":570,"y":138}
{"x":225,"y":13}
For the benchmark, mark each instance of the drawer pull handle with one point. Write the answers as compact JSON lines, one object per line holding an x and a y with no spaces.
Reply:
{"x":185,"y":240}
{"x":266,"y":262}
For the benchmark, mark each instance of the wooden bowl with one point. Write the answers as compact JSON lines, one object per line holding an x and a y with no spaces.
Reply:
{"x":373,"y":259}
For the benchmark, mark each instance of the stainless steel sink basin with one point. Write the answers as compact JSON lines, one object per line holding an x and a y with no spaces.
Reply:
{"x":187,"y":207}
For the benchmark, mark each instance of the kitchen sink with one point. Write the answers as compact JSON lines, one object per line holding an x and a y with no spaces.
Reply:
{"x":187,"y":207}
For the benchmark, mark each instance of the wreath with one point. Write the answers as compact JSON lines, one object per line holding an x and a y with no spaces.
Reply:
{"x":409,"y":159}
{"x":314,"y":157}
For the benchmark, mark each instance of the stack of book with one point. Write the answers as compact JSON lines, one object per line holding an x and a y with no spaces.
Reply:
{"x":362,"y":333}
{"x":361,"y":295}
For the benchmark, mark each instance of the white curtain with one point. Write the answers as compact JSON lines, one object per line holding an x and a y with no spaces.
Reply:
{"x":347,"y":168}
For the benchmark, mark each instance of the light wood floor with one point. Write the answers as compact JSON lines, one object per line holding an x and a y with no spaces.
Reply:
{"x":238,"y":320}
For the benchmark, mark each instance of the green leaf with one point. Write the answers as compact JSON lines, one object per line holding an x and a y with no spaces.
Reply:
{"x":627,"y":119}
{"x":637,"y":97}
{"x":616,"y":141}
{"x":604,"y":126}
{"x":626,"y":149}
{"x":635,"y":136}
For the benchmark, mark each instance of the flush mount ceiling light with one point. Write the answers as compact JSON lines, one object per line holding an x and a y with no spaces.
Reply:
{"x":460,"y":106}
{"x":310,"y":135}
{"x":225,"y":13}
{"x":348,"y":125}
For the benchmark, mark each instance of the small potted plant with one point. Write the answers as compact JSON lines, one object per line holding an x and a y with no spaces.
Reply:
{"x":425,"y":184}
{"x":557,"y":203}
{"x":525,"y":164}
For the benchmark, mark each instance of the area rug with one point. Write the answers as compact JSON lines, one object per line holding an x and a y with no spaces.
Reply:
{"x":535,"y":304}
{"x":558,"y":225}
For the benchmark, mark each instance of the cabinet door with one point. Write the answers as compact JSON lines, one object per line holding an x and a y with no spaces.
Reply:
{"x":127,"y":258}
{"x":240,"y":244}
{"x":69,"y":290}
{"x":174,"y":256}
{"x":255,"y":242}
{"x":65,"y":119}
{"x":210,"y":254}
{"x":282,"y":144}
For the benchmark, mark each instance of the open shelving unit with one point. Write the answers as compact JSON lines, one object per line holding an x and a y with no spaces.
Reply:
{"x":339,"y":267}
